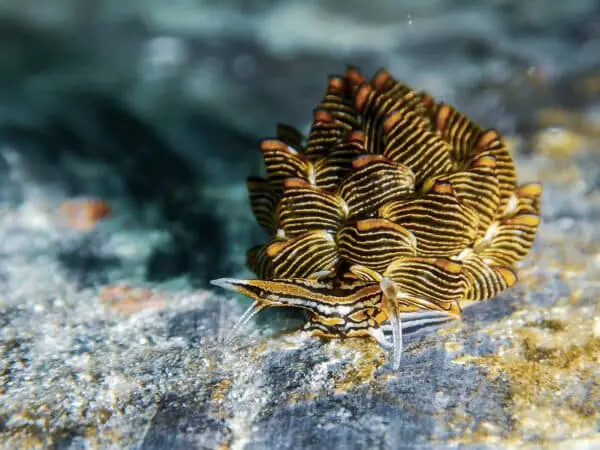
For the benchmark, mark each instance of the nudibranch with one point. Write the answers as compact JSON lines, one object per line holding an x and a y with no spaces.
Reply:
{"x":393,"y":212}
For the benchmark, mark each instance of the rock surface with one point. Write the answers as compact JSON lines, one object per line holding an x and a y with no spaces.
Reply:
{"x":109,"y":336}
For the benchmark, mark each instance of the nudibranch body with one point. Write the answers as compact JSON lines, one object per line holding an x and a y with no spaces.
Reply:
{"x":392,"y":212}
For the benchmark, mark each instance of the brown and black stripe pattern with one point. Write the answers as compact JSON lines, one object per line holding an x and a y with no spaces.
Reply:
{"x":393,"y":204}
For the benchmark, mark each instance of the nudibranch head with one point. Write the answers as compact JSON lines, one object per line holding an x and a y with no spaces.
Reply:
{"x":390,"y":213}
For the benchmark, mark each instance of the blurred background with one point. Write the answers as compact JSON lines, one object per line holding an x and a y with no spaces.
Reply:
{"x":156,"y":107}
{"x":127,"y":131}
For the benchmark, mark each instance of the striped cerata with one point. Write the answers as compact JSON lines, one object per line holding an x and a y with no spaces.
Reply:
{"x":391,"y":213}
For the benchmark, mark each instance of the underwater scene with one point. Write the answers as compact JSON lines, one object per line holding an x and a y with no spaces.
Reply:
{"x":299,"y":224}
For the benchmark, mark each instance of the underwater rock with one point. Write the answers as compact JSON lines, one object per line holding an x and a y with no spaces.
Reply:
{"x":109,"y":336}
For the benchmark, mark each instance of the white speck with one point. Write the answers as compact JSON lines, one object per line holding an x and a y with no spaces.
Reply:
{"x":413,"y":239}
{"x":162,"y":55}
{"x":329,"y":236}
{"x":345,"y":208}
{"x":312,"y":176}
{"x":462,"y":255}
{"x":319,"y":275}
{"x":489,"y":234}
{"x":511,"y":206}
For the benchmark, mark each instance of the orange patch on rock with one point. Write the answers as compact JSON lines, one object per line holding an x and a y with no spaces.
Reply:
{"x":129,"y":300}
{"x":84,"y":214}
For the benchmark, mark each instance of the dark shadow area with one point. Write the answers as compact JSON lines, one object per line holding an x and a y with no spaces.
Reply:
{"x":28,"y":50}
{"x":85,"y":267}
{"x":96,"y":129}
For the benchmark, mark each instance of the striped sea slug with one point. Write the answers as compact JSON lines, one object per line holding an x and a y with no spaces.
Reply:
{"x":390,"y":214}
